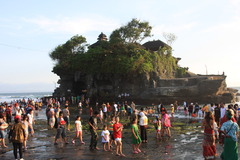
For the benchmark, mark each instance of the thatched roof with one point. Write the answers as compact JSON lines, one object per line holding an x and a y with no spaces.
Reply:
{"x":155,"y":45}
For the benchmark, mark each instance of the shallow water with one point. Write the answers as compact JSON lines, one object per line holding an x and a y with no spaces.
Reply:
{"x":185,"y":144}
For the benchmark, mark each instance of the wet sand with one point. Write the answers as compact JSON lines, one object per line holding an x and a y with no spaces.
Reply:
{"x":185,"y":144}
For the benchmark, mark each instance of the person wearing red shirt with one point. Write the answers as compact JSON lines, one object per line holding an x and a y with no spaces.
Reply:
{"x":117,"y":134}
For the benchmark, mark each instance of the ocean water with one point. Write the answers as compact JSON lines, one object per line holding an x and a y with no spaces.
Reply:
{"x":8,"y":97}
{"x":238,"y":88}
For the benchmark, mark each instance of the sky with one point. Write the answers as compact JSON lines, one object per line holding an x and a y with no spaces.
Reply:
{"x":207,"y":33}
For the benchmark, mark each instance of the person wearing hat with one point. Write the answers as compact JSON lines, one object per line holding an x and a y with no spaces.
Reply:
{"x":230,"y":129}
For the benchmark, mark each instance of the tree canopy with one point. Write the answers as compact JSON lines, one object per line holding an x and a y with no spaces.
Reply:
{"x":134,"y":32}
{"x":122,"y":54}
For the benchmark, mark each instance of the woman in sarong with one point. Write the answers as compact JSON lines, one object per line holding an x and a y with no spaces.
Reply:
{"x":209,"y":146}
{"x":230,"y":130}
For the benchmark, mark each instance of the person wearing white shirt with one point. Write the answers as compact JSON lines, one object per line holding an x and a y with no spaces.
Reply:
{"x":223,"y":110}
{"x":143,"y":122}
{"x":105,"y":138}
{"x":115,"y":109}
{"x":31,"y":121}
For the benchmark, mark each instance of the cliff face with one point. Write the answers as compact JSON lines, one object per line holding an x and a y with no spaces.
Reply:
{"x":147,"y":88}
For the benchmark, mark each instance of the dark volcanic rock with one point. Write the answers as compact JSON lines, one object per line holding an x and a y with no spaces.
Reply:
{"x":147,"y":88}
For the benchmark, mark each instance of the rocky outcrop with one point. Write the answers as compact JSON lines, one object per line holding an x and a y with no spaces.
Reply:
{"x":147,"y":88}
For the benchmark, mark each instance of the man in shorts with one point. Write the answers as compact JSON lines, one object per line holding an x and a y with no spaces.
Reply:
{"x":117,"y":133}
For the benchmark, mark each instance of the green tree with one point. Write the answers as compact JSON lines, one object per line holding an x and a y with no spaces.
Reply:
{"x":76,"y":45}
{"x":134,"y":32}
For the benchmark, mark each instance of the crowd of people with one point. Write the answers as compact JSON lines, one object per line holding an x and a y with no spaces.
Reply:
{"x":222,"y":127}
{"x":219,"y":121}
{"x":18,"y":130}
{"x":108,"y":117}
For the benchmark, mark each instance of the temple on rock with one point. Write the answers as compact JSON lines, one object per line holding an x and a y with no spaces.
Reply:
{"x":149,"y":87}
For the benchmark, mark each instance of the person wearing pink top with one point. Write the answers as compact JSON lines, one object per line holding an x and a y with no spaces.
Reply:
{"x":166,"y":124}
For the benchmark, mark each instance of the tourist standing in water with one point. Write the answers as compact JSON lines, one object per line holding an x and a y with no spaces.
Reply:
{"x":172,"y":110}
{"x":217,"y":113}
{"x":143,"y":123}
{"x":190,"y":109}
{"x":101,"y":115}
{"x":230,"y":129}
{"x":166,"y":124}
{"x":31,"y":122}
{"x":8,"y":112}
{"x":222,"y":110}
{"x":158,"y":126}
{"x":66,"y":114}
{"x":78,"y":130}
{"x":26,"y":125}
{"x":209,"y":146}
{"x":196,"y":109}
{"x":3,"y":131}
{"x":136,"y":140}
{"x":110,"y":128}
{"x":61,"y":131}
{"x":18,"y":136}
{"x":93,"y":130}
{"x":51,"y":117}
{"x":117,"y":133}
{"x":105,"y":138}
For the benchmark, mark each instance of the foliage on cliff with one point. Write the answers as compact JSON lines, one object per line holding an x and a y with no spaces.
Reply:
{"x":121,"y":54}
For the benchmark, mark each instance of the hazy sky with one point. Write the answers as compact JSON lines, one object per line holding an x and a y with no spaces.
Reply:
{"x":207,"y":33}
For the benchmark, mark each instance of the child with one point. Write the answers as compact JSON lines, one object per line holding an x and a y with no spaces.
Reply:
{"x":117,"y":133}
{"x":172,"y":110}
{"x":110,"y":128}
{"x":136,"y":140}
{"x":158,"y":128}
{"x":78,"y":130}
{"x":105,"y":138}
{"x":3,"y":130}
